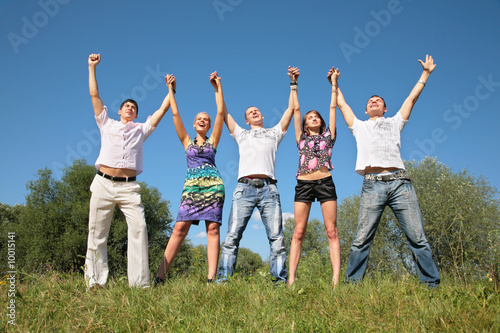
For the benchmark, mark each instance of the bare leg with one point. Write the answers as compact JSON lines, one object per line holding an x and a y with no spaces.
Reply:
{"x":180,"y":232}
{"x":213,"y":244}
{"x":329,"y":210}
{"x":301,"y":214}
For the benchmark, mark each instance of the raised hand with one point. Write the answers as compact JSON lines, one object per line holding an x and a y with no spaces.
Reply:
{"x":215,"y":79}
{"x":170,"y":80}
{"x":94,"y":59}
{"x":333,"y":75}
{"x":428,"y":65}
{"x":293,"y":73}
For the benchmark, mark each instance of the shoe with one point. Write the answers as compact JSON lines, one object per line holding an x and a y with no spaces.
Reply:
{"x":159,"y":281}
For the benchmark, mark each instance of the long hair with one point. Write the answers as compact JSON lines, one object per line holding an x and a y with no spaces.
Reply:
{"x":323,"y":124}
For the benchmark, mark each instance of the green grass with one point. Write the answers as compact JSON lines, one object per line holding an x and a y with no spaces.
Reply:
{"x":56,"y":302}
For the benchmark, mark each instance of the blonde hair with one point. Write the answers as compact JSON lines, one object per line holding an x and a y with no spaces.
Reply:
{"x":203,"y":112}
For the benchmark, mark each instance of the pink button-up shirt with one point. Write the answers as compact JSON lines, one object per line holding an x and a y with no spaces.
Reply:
{"x":121,"y":144}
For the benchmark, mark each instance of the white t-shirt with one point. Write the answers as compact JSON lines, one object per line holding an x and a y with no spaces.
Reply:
{"x":379,"y":142}
{"x":257,"y":149}
{"x":121,"y":144}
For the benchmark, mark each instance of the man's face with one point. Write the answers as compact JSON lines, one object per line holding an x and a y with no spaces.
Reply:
{"x":375,"y":107}
{"x":128,"y":112}
{"x":253,"y":116}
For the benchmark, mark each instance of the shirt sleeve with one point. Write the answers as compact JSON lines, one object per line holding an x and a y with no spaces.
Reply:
{"x":102,"y":118}
{"x":147,"y":129}
{"x":236,"y":132}
{"x":399,"y":121}
{"x":355,"y":126}
{"x":279,"y":132}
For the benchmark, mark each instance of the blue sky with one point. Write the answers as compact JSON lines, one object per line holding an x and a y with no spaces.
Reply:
{"x":48,"y":119}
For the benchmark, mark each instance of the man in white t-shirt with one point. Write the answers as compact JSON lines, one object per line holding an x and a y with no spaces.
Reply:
{"x":118,"y":164}
{"x":256,"y":187}
{"x":386,"y":182}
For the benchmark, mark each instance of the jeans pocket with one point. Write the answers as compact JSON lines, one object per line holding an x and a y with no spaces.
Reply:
{"x":238,"y":193}
{"x":367,"y":184}
{"x":273,"y":192}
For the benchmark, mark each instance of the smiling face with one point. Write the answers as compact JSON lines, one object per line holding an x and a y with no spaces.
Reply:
{"x":253,"y":117}
{"x":128,"y":111}
{"x":202,"y":123}
{"x":313,"y":122}
{"x":375,"y":107}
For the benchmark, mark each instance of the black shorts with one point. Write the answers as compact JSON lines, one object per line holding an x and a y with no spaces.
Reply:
{"x":321,"y":190}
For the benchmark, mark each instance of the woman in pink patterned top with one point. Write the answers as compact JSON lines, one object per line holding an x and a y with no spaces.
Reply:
{"x":315,"y":142}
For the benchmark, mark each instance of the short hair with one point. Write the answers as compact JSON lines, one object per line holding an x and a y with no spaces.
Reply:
{"x":323,"y":124}
{"x":378,"y":97}
{"x":251,"y":106}
{"x":131,"y":101}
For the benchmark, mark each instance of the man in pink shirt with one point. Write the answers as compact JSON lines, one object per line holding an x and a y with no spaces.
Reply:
{"x":118,"y":164}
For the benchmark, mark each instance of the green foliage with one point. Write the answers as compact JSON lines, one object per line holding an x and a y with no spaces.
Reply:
{"x":52,"y":228}
{"x":389,"y":251}
{"x":314,"y":242}
{"x":248,"y":262}
{"x":461,"y":217}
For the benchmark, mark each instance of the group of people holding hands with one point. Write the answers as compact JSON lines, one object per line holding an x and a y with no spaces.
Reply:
{"x":378,"y":161}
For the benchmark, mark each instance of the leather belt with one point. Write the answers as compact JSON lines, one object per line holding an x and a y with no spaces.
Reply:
{"x":401,"y":174}
{"x":116,"y":179}
{"x":257,"y":182}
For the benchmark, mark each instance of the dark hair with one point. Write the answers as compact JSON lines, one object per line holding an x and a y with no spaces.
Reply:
{"x":323,"y":124}
{"x":378,"y":97}
{"x":131,"y":101}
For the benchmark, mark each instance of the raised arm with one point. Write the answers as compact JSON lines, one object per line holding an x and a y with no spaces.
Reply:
{"x":344,"y":108}
{"x":97,"y":103}
{"x":428,"y":66}
{"x":179,"y":126}
{"x":333,"y":103}
{"x":293,"y":100}
{"x":158,"y":115}
{"x":215,"y":80}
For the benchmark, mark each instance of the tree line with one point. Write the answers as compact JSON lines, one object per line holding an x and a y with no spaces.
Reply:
{"x":461,"y":217}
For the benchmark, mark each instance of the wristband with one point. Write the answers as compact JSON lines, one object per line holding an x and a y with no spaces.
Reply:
{"x":294,"y":87}
{"x":173,"y":90}
{"x":293,"y":83}
{"x":420,"y":81}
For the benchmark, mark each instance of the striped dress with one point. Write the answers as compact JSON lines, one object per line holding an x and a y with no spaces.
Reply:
{"x":203,"y":194}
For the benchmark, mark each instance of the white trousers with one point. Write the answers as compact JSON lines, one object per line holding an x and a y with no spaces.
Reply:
{"x":106,"y":194}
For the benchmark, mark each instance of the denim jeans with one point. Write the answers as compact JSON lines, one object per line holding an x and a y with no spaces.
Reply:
{"x":267,"y":200}
{"x":400,"y":196}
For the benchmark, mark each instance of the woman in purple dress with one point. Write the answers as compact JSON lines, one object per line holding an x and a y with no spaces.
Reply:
{"x":203,"y":193}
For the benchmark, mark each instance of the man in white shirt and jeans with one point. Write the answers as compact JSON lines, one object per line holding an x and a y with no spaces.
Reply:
{"x":386,"y":182}
{"x":256,"y":187}
{"x":118,"y":164}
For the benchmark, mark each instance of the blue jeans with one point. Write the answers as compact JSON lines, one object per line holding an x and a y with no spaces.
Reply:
{"x":400,"y":196}
{"x":267,"y":201}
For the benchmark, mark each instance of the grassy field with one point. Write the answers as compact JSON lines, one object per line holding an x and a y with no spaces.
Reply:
{"x":55,"y":302}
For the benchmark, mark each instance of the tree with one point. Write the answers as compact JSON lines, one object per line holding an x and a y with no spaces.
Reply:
{"x":51,"y":229}
{"x":248,"y":262}
{"x":314,"y":242}
{"x":461,"y":220}
{"x":461,"y":216}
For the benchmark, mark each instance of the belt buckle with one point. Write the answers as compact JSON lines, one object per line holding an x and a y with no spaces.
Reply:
{"x":257,"y":182}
